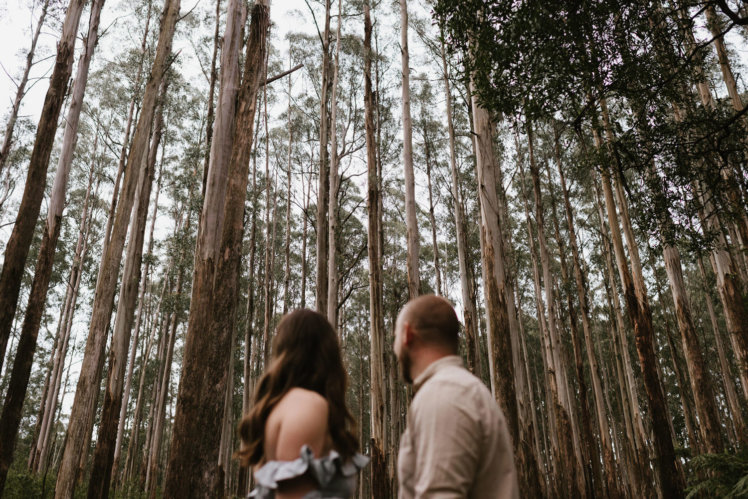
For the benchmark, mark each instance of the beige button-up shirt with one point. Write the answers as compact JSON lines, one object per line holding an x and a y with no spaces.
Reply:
{"x":456,"y":443}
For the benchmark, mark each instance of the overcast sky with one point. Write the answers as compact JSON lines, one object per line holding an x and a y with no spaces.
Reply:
{"x":17,"y":22}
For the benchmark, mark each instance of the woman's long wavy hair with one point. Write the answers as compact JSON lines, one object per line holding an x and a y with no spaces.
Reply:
{"x":306,"y":354}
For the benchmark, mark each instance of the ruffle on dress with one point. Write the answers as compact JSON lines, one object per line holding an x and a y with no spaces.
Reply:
{"x":336,"y":479}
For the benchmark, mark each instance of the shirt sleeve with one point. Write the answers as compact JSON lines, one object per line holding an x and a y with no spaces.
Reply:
{"x":446,"y":442}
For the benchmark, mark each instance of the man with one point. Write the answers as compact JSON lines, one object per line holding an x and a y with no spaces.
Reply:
{"x":456,"y":443}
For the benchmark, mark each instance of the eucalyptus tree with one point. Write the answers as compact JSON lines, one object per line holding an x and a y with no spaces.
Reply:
{"x":84,"y":404}
{"x":37,"y":297}
{"x":21,"y":89}
{"x":17,"y":247}
{"x":376,"y":317}
{"x":214,"y":293}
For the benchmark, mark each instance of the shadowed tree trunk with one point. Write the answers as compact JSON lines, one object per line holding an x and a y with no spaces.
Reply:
{"x":49,"y":402}
{"x":19,"y":243}
{"x":145,"y":284}
{"x":332,"y":208}
{"x":554,"y":336}
{"x":637,"y":305}
{"x":55,"y":399}
{"x":84,"y":404}
{"x":581,"y":287}
{"x":727,"y":378}
{"x":191,"y":467}
{"x":567,"y":472}
{"x":323,"y":191}
{"x":500,"y":356}
{"x":468,"y":304}
{"x":11,"y":415}
{"x":101,"y":472}
{"x":591,"y":461}
{"x":411,"y":222}
{"x":376,"y":312}
{"x":159,"y":402}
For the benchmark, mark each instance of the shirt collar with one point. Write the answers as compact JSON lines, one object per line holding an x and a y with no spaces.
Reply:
{"x":434,"y":367}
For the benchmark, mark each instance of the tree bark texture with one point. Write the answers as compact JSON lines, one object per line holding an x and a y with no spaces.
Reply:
{"x":332,"y":208}
{"x":581,"y":288}
{"x":11,"y":415}
{"x":191,"y":468}
{"x":468,"y":304}
{"x":84,"y":404}
{"x":101,"y":472}
{"x":19,"y":243}
{"x":411,"y":221}
{"x":378,"y":464}
{"x":500,"y":345}
{"x":323,"y":191}
{"x":637,"y":303}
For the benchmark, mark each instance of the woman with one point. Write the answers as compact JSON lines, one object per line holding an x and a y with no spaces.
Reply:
{"x":299,"y":434}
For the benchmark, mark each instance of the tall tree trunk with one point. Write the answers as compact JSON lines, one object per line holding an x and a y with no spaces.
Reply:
{"x":581,"y":287}
{"x":568,"y":476}
{"x":323,"y":192}
{"x":287,"y":253}
{"x":535,"y":429}
{"x":191,"y":467}
{"x":145,"y":282}
{"x":211,"y":96}
{"x":57,"y":361}
{"x":21,"y":90}
{"x":500,"y":343}
{"x":19,"y":243}
{"x":640,"y":314}
{"x":376,"y":312}
{"x":432,"y":218}
{"x":694,"y":439}
{"x":101,"y":472}
{"x":11,"y":415}
{"x":332,"y":209}
{"x":732,"y":296}
{"x":731,"y":290}
{"x":714,"y":25}
{"x":411,"y":222}
{"x":591,"y":461}
{"x":132,"y":446}
{"x":701,"y":380}
{"x":84,"y":405}
{"x":227,"y":427}
{"x":267,"y":282}
{"x":128,"y":128}
{"x":557,"y":351}
{"x":468,"y":305}
{"x":304,"y":239}
{"x":159,"y":402}
{"x":51,"y":405}
{"x":727,"y":377}
{"x":636,"y":445}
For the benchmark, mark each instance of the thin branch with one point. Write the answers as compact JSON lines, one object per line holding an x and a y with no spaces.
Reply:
{"x":285,"y":73}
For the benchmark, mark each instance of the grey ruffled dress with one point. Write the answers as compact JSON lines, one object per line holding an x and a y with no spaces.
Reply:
{"x":336,"y":479}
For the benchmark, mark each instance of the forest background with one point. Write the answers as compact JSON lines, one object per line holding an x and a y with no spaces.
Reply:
{"x":620,"y":358}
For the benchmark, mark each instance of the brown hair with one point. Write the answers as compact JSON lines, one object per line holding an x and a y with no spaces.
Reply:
{"x":306,"y":354}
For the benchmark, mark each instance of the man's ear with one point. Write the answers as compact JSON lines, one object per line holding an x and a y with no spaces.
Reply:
{"x":409,"y":335}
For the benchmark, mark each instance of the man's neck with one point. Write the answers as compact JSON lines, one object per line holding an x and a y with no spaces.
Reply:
{"x":424,"y":359}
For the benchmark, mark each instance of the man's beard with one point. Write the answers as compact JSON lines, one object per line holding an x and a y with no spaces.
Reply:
{"x":404,"y":362}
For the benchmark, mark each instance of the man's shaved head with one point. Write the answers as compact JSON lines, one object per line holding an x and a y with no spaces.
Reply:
{"x":435,"y":320}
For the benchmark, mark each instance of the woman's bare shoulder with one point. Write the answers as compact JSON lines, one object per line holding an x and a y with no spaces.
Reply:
{"x":299,"y":419}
